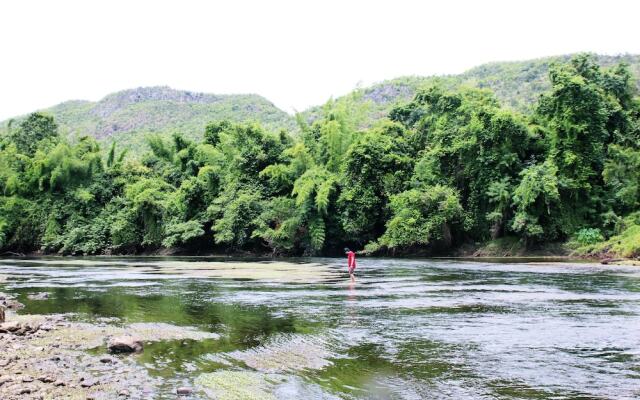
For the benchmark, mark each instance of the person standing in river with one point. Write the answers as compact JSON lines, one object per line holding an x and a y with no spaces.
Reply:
{"x":351,"y":263}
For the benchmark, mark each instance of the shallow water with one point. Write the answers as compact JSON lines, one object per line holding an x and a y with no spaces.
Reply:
{"x":408,"y":329}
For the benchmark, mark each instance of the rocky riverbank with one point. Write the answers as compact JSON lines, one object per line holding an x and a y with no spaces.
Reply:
{"x":54,"y":357}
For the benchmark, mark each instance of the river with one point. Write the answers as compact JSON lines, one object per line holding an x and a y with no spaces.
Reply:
{"x":407,"y":329}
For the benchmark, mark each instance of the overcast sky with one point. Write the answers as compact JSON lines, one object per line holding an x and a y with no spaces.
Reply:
{"x":295,"y":53}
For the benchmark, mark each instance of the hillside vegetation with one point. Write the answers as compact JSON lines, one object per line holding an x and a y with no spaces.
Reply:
{"x":517,"y":85}
{"x":448,"y":167}
{"x":129,"y":115}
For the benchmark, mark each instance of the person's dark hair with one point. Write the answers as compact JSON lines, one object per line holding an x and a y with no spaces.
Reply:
{"x":346,"y":249}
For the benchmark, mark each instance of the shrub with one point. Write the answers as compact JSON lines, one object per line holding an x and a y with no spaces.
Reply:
{"x":588,"y":236}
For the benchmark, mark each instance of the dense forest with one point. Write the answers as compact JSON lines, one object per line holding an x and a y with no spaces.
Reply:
{"x":449,"y":167}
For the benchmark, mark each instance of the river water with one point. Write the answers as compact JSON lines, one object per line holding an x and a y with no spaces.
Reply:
{"x":407,"y":329}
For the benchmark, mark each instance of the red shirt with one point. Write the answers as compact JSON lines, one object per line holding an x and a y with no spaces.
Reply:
{"x":351,"y":260}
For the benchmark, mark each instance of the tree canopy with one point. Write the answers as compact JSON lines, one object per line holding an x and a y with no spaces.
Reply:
{"x":447,"y":168}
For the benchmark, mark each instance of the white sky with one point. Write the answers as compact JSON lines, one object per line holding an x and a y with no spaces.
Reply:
{"x":295,"y":53}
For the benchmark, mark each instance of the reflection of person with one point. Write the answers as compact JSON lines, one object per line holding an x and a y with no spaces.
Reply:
{"x":351,"y":263}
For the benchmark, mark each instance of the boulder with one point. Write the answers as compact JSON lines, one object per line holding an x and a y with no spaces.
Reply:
{"x":125,"y":344}
{"x":31,"y":326}
{"x":11,"y":326}
{"x":11,"y":304}
{"x":2,"y":314}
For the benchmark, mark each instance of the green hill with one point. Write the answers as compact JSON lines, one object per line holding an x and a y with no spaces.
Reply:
{"x":517,"y":84}
{"x":128,"y":115}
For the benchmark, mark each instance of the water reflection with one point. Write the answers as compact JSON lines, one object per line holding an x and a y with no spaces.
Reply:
{"x":406,"y":329}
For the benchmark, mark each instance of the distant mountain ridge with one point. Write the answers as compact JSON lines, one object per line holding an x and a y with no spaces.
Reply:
{"x":516,"y":84}
{"x":128,"y":115}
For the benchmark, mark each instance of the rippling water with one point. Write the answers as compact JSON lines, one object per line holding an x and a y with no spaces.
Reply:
{"x":408,"y":329}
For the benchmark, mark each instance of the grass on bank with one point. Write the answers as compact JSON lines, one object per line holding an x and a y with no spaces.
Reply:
{"x":625,"y":243}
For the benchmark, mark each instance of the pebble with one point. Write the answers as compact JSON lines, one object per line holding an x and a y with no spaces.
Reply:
{"x":184,"y":391}
{"x":88,"y":382}
{"x":46,"y":379}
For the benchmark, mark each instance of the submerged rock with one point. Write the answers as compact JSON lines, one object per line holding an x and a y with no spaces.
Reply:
{"x":38,"y":296}
{"x":125,"y":344}
{"x":286,"y":353}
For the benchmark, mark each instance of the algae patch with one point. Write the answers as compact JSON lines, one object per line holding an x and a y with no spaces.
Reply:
{"x":88,"y":336}
{"x":286,"y":353}
{"x":237,"y":385}
{"x":271,"y":271}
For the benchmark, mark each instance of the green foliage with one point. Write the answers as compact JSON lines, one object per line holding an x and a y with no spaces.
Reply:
{"x":517,"y":85}
{"x":182,"y":233}
{"x":626,"y":243}
{"x":622,"y":176}
{"x":127,"y":117}
{"x":279,"y":225}
{"x":499,"y":194}
{"x":21,"y":223}
{"x":447,"y":168}
{"x":587,"y":236}
{"x":465,"y":141}
{"x":148,"y":197}
{"x":234,"y":215}
{"x":377,"y":165}
{"x":420,"y":217}
{"x":536,"y":199}
{"x":33,"y":131}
